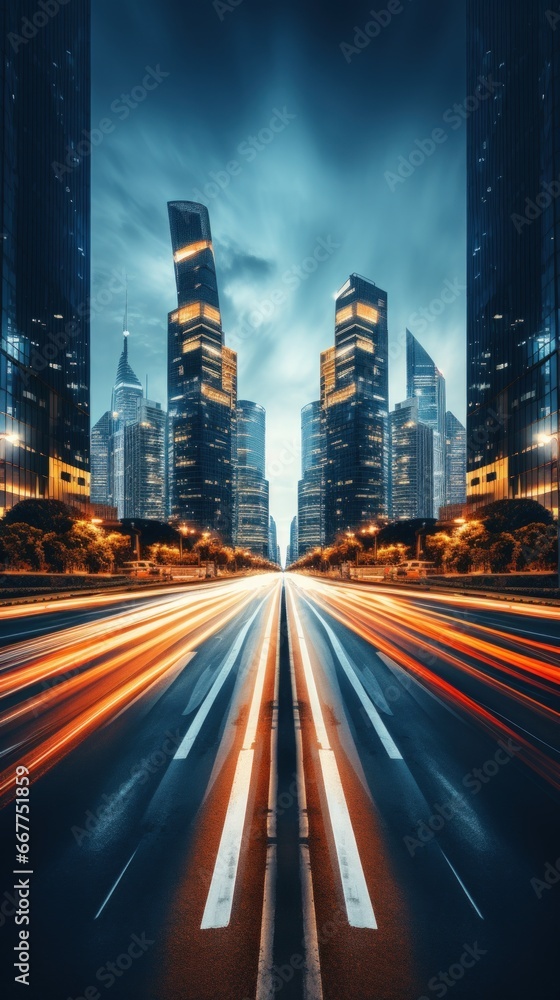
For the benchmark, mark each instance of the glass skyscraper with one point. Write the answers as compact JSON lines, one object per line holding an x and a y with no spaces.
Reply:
{"x":354,"y":399}
{"x":44,"y":254}
{"x":145,"y":441}
{"x":412,"y":463}
{"x":251,"y":486}
{"x":425,"y":382}
{"x":311,"y":487}
{"x":513,"y":262}
{"x":455,"y":461}
{"x":101,"y":434}
{"x":202,"y":382}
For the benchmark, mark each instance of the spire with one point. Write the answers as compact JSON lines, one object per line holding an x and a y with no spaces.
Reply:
{"x":125,"y":320}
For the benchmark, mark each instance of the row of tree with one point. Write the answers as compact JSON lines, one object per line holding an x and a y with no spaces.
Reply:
{"x":507,"y":536}
{"x":39,"y":535}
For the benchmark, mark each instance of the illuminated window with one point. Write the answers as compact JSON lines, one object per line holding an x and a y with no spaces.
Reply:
{"x":191,"y":250}
{"x":344,"y":314}
{"x":367,"y":312}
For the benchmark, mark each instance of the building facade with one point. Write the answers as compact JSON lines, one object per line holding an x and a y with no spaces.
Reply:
{"x":293,"y":551}
{"x":100,"y":446}
{"x":273,"y":550}
{"x":425,"y":383}
{"x":455,"y":461}
{"x":513,"y":232}
{"x":145,"y":444}
{"x":354,"y":401}
{"x":44,"y":255}
{"x":202,"y":382}
{"x":311,"y":487}
{"x":251,"y":486}
{"x":412,"y":463}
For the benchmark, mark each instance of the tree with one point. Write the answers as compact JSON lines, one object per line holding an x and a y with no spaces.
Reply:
{"x":509,"y":515}
{"x":57,"y":556}
{"x":119,"y":546}
{"x":392,"y":555}
{"x":439,"y":548}
{"x":538,"y":547}
{"x":46,"y":515}
{"x":22,"y":546}
{"x":504,"y":552}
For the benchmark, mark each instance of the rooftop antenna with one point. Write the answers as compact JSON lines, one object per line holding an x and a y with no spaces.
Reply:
{"x":125,"y":320}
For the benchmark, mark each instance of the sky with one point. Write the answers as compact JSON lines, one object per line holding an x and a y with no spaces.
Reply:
{"x":295,"y":124}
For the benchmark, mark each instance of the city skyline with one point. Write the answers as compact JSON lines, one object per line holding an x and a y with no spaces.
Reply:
{"x":289,"y":194}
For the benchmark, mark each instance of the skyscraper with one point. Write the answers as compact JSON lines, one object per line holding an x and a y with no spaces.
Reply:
{"x":455,"y":461}
{"x":44,"y":255}
{"x":311,"y":487}
{"x":127,"y":392}
{"x":273,"y":553}
{"x":251,"y":486}
{"x":101,"y":459}
{"x":145,"y":441}
{"x":425,"y":382}
{"x":354,"y":398}
{"x":513,"y":220}
{"x":293,"y":553}
{"x":202,"y":381}
{"x":412,"y":463}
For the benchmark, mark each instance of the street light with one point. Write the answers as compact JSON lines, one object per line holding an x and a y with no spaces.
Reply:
{"x":543,"y":440}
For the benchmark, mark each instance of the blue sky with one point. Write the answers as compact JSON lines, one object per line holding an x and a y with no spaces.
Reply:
{"x":347,"y":110}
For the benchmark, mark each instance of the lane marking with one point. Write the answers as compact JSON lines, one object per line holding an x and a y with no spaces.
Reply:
{"x":196,"y":725}
{"x":352,"y":674}
{"x":217,"y":912}
{"x":111,"y":891}
{"x":462,"y":884}
{"x":313,"y":987}
{"x":359,"y":908}
{"x":265,"y":989}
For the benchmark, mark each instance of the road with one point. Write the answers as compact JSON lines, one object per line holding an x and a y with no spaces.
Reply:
{"x":281,"y":786}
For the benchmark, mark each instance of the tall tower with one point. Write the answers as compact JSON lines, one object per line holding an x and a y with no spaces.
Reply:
{"x":412,"y":457}
{"x":513,"y":254}
{"x":311,"y":487}
{"x":425,"y":383}
{"x":202,"y":382}
{"x":252,"y":490}
{"x":455,"y":461}
{"x":355,"y":401}
{"x":44,"y":254}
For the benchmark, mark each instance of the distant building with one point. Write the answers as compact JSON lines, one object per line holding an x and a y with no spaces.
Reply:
{"x":425,"y":382}
{"x":101,"y":460}
{"x":145,"y":441}
{"x":354,"y":399}
{"x":293,"y":551}
{"x":202,"y":382}
{"x":251,"y":486}
{"x":513,"y":239}
{"x":311,"y":488}
{"x":45,"y":259}
{"x":412,"y":457}
{"x":273,"y":550}
{"x":455,"y":461}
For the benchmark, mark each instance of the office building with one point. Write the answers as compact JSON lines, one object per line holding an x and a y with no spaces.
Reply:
{"x":354,"y":401}
{"x":145,"y":441}
{"x":44,"y":255}
{"x":273,"y":550}
{"x":100,"y":446}
{"x":455,"y":461}
{"x":311,"y":487}
{"x":202,"y":382}
{"x":513,"y":256}
{"x":412,"y":458}
{"x":292,"y":551}
{"x":251,"y":486}
{"x":425,"y":382}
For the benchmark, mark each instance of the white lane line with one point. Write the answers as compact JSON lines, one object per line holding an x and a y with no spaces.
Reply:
{"x":352,"y":674}
{"x":359,"y":909}
{"x":401,"y":671}
{"x":217,"y":912}
{"x":111,"y":891}
{"x":313,"y":986}
{"x":200,"y":717}
{"x":462,"y":884}
{"x":265,"y":989}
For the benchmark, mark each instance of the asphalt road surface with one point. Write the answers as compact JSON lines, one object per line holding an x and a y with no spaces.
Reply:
{"x":279,"y":786}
